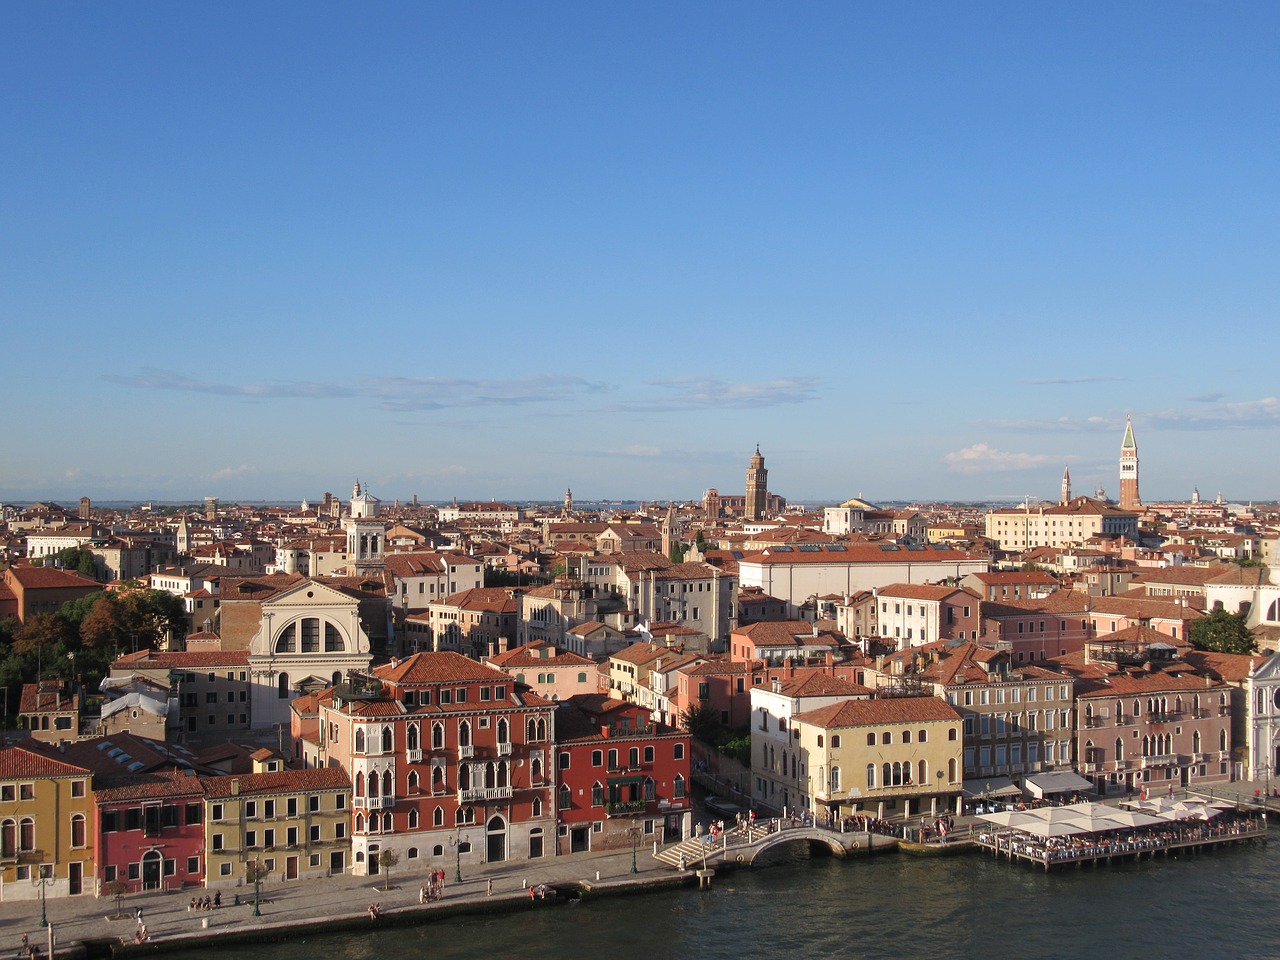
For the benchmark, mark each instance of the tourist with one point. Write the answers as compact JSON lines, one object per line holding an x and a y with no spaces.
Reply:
{"x":488,"y":887}
{"x":217,"y":899}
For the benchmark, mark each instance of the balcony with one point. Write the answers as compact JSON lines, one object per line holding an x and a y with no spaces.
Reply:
{"x":466,"y":751}
{"x":413,"y":756}
{"x":377,"y":803}
{"x":1162,"y":760}
{"x":484,"y":793}
{"x":623,"y":807}
{"x":504,"y":749}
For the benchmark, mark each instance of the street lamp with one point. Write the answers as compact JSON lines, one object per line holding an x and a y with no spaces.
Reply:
{"x":41,"y":881}
{"x":256,"y":872}
{"x":634,"y":833}
{"x":457,"y":858}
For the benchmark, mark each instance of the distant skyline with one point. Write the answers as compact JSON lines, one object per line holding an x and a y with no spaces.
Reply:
{"x":915,"y":252}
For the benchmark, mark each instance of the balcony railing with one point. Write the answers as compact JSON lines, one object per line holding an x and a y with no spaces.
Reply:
{"x":624,"y":807}
{"x":377,"y":803}
{"x":1160,"y":760}
{"x":466,"y":751}
{"x":484,"y":793}
{"x":504,"y":749}
{"x":413,"y":756}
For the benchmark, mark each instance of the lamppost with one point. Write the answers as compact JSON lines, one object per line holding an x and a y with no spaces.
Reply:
{"x":457,"y":858}
{"x":255,"y":874}
{"x":634,"y":834}
{"x":41,"y":881}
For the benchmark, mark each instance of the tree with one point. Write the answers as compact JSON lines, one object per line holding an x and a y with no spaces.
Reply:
{"x":41,"y":631}
{"x":1222,"y":632}
{"x":703,"y":722}
{"x":78,"y":559}
{"x":115,"y":889}
{"x":678,"y":551}
{"x":386,"y":860}
{"x":104,"y":623}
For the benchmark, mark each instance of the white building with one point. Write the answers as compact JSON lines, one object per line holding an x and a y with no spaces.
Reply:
{"x":796,"y":574}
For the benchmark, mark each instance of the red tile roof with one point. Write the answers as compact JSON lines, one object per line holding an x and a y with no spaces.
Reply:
{"x":861,"y":713}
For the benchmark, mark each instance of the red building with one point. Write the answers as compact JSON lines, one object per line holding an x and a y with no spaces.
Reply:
{"x":450,"y":762}
{"x":150,"y":831}
{"x":623,"y":779}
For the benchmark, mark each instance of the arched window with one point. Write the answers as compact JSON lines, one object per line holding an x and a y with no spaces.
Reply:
{"x":871,"y":776}
{"x":951,"y":770}
{"x":887,"y":780}
{"x":464,"y":733}
{"x":310,"y":635}
{"x":333,"y":642}
{"x":566,"y":797}
{"x":437,"y":736}
{"x":650,"y":793}
{"x":412,"y":782}
{"x":531,"y":730}
{"x":437,"y":850}
{"x":503,"y":731}
{"x":373,"y":785}
{"x":26,"y":835}
{"x":923,"y":773}
{"x":387,"y":740}
{"x":284,"y":686}
{"x":952,"y":733}
{"x":388,"y":788}
{"x":535,"y":770}
{"x":678,"y":787}
{"x":437,"y":780}
{"x":597,"y":794}
{"x":1195,"y":741}
{"x":413,"y":820}
{"x":288,"y":639}
{"x":387,"y":826}
{"x":359,"y":784}
{"x":871,"y":739}
{"x":359,"y":739}
{"x":437,"y":817}
{"x":77,"y":830}
{"x":9,"y":839}
{"x":1119,"y":749}
{"x":1222,"y":740}
{"x":359,"y":823}
{"x":835,"y":779}
{"x":537,"y":807}
{"x":411,"y":737}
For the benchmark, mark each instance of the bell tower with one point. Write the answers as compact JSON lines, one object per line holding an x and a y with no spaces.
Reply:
{"x":1129,"y":499}
{"x":1066,"y":486}
{"x":757,"y":487}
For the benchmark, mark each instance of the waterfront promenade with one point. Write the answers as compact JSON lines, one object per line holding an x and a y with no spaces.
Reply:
{"x":301,"y":906}
{"x":341,"y":901}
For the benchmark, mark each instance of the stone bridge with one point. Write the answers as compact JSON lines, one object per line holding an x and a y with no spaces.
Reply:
{"x":740,"y":846}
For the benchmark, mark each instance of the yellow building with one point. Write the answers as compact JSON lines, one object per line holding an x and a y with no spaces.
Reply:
{"x":889,"y":758}
{"x":296,"y":823}
{"x":46,"y":816}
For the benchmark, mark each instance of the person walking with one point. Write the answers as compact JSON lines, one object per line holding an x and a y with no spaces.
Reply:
{"x":488,"y":887}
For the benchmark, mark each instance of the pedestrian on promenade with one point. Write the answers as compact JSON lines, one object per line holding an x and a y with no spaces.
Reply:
{"x":488,"y":887}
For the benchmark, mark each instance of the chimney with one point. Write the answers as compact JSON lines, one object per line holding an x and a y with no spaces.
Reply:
{"x":235,"y":787}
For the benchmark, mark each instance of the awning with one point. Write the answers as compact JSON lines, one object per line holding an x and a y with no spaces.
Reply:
{"x":623,"y":781}
{"x":990,"y":787}
{"x":1061,"y":781}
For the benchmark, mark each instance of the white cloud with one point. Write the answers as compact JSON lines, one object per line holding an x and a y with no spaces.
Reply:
{"x":984,"y":458}
{"x":227,"y":473}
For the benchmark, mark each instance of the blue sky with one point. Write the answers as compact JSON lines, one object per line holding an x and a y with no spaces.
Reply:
{"x":920,"y":250}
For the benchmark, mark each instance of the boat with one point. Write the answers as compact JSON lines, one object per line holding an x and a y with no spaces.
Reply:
{"x":936,"y":848}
